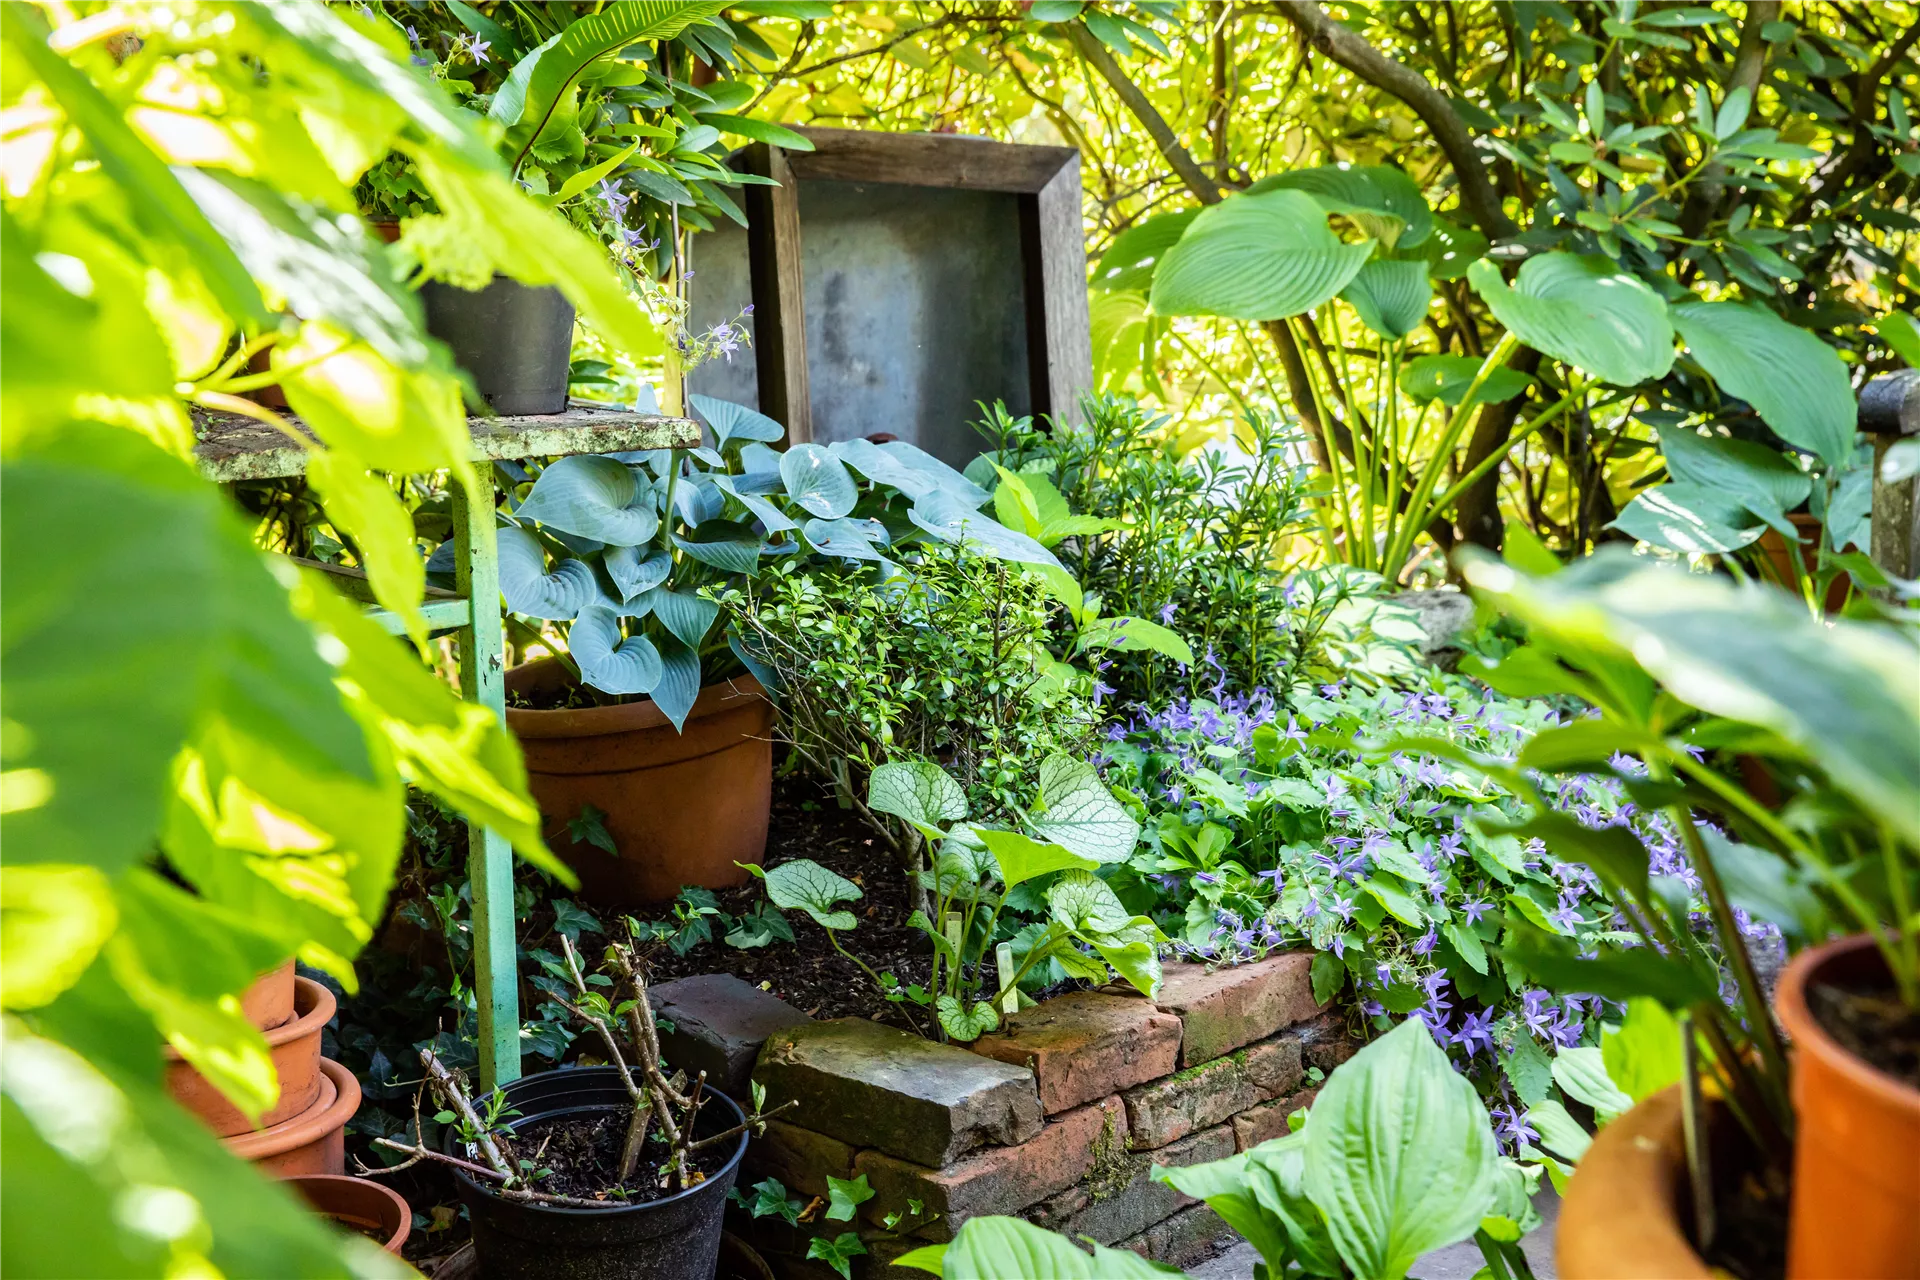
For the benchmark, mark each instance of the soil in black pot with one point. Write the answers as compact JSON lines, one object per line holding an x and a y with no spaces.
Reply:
{"x":581,"y":1157}
{"x":1873,"y":1024}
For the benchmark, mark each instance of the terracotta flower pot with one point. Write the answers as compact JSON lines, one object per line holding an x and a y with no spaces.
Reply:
{"x":1621,"y":1217}
{"x":313,"y":1141}
{"x":358,"y":1204}
{"x":1856,"y":1166}
{"x":268,"y":1003}
{"x":1774,"y":547}
{"x":295,"y":1047}
{"x":682,"y":808}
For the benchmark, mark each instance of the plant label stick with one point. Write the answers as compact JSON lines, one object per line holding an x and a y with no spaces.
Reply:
{"x":1003,"y":957}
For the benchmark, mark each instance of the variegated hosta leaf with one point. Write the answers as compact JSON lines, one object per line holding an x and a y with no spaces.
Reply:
{"x":950,"y":520}
{"x":608,"y":662}
{"x":847,"y":537}
{"x":732,"y":421}
{"x":633,"y":572}
{"x":593,"y":497}
{"x":818,"y":481}
{"x":531,"y":590}
{"x":1076,"y":810}
{"x":908,"y":468}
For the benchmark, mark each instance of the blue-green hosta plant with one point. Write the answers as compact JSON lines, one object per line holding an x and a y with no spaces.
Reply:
{"x":1010,"y":908}
{"x":1396,"y":1158}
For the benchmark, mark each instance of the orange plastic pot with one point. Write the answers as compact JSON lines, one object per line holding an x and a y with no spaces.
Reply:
{"x":682,"y":808}
{"x":295,"y":1047}
{"x":358,"y":1204}
{"x":313,"y":1141}
{"x":1621,"y":1217}
{"x":268,"y":1003}
{"x":1856,"y":1165}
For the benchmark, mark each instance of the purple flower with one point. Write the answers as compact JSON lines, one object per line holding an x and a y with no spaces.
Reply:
{"x":1166,"y":614}
{"x":1566,"y":1031}
{"x":1373,"y":1008}
{"x":1340,"y":945}
{"x":1206,"y":877}
{"x":1476,"y":1033}
{"x":1511,"y":1126}
{"x":1101,"y":689}
{"x":1474,"y":910}
{"x":1331,"y":691}
{"x":1293,"y":732}
{"x":1536,"y":1012}
{"x":1425,"y":945}
{"x":1384,"y":972}
{"x":1565,"y":917}
{"x":1342,"y":907}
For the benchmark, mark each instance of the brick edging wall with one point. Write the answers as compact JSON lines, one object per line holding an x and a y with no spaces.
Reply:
{"x":1058,"y":1117}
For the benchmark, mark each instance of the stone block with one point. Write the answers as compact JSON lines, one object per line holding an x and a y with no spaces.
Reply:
{"x":1269,"y":1120}
{"x":1226,"y":1008}
{"x":1325,"y":1042}
{"x":1001,"y":1180}
{"x":1087,"y":1045}
{"x":1187,"y":1101}
{"x":719,"y":1024}
{"x":1116,"y":1205}
{"x":1273,"y":1066}
{"x":1189,"y":1236}
{"x":875,"y":1086}
{"x":800,"y":1158}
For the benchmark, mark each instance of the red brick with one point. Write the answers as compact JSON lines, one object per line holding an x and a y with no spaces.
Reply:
{"x":1273,"y":1065}
{"x":1118,"y":1206}
{"x":1087,"y":1045}
{"x":1188,"y":1236}
{"x":1190,"y":1100}
{"x":1325,"y":1042}
{"x":800,"y":1158}
{"x":1226,"y":1008}
{"x":1269,"y":1120}
{"x":999,"y":1180}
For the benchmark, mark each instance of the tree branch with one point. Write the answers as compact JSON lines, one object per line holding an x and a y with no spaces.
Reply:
{"x":1204,"y":188}
{"x":1344,"y":46}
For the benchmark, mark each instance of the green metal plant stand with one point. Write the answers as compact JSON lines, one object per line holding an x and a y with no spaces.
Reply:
{"x":233,"y":447}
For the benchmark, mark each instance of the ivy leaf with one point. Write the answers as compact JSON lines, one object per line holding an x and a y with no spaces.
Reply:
{"x":1076,"y":810}
{"x":805,"y":885}
{"x":589,"y":826}
{"x":963,"y":1023}
{"x":593,"y":497}
{"x":838,"y":1252}
{"x":1256,"y":257}
{"x":844,"y":1197}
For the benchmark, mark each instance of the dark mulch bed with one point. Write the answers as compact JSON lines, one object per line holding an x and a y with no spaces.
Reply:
{"x":808,"y":973}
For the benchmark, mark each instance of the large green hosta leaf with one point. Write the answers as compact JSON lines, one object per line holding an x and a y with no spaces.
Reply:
{"x":1446,"y":378}
{"x":1794,"y":381}
{"x":1130,"y":261}
{"x":593,"y":497}
{"x":1749,"y":474}
{"x":1400,"y":1156}
{"x":1391,"y":296}
{"x":1584,"y":311}
{"x":530,"y":589}
{"x":1384,"y":202}
{"x":541,"y":94}
{"x":1256,"y":257}
{"x":1691,"y":518}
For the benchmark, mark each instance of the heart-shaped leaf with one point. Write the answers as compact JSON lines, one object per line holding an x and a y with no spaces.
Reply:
{"x":592,"y":497}
{"x":965,"y":1024}
{"x":1391,"y":296}
{"x":1687,"y":517}
{"x":1256,"y":257}
{"x":1794,"y":381}
{"x":607,"y":661}
{"x":1022,"y":858}
{"x":916,"y":791}
{"x":1753,"y":475}
{"x":818,"y":481}
{"x":1076,"y":810}
{"x":1400,"y":1156}
{"x":529,"y":589}
{"x":949,"y":520}
{"x":771,"y":518}
{"x":848,"y":538}
{"x":1086,"y":905}
{"x":1382,"y":201}
{"x":732,"y":421}
{"x":698,"y":499}
{"x":805,"y":885}
{"x":687,"y":615}
{"x":634,"y":573}
{"x":1446,"y":378}
{"x":724,"y":544}
{"x":908,"y":468}
{"x":679,"y":680}
{"x":1584,"y":311}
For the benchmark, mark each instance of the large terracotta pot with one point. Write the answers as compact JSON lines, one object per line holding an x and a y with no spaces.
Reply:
{"x":682,"y":808}
{"x":269,"y":1001}
{"x":1856,"y":1164}
{"x":313,"y":1141}
{"x":295,"y":1048}
{"x":1621,"y":1217}
{"x":358,"y":1204}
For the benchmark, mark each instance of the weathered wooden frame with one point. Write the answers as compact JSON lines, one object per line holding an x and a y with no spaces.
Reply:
{"x":1046,"y":181}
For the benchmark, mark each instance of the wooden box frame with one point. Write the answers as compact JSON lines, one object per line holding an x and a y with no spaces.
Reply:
{"x":1046,"y":181}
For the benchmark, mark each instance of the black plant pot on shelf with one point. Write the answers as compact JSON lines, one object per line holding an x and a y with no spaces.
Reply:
{"x":514,"y":339}
{"x":673,"y":1238}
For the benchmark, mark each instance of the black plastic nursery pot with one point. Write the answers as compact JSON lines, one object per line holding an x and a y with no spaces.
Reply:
{"x":514,"y":339}
{"x":674,"y":1238}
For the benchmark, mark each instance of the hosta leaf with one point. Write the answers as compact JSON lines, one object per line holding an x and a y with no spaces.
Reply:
{"x":732,"y":421}
{"x":916,"y":791}
{"x":963,"y":1023}
{"x":1582,"y":1072}
{"x":1446,"y":378}
{"x":593,"y":497}
{"x":1752,"y":475}
{"x":771,"y":518}
{"x":1559,"y":1132}
{"x":608,"y":662}
{"x":1384,"y":202}
{"x":1076,"y":810}
{"x":949,"y":520}
{"x":687,"y":615}
{"x":818,"y":481}
{"x":1400,"y":1155}
{"x":997,"y":1248}
{"x":1256,"y":257}
{"x":1794,"y":381}
{"x":632,"y":572}
{"x":805,"y":885}
{"x":1584,"y":311}
{"x":1130,"y":260}
{"x":908,"y":468}
{"x":679,"y":680}
{"x":725,"y":545}
{"x":530,"y":589}
{"x":1391,"y":296}
{"x":1021,"y":858}
{"x":1687,"y":517}
{"x":1645,"y":1053}
{"x":847,"y":537}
